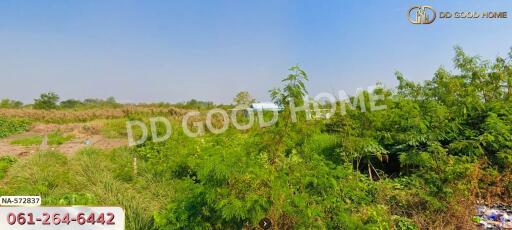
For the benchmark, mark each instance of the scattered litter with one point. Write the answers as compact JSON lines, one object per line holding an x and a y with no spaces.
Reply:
{"x":497,"y":216}
{"x":87,"y":142}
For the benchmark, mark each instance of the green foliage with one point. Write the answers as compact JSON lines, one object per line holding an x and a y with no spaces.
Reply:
{"x":50,"y":100}
{"x":5,"y":164}
{"x":116,"y":128}
{"x":41,"y":174}
{"x":95,"y":103}
{"x":46,"y":101}
{"x":90,"y":177}
{"x":294,"y":88}
{"x":243,"y":99}
{"x":70,"y":104}
{"x":12,"y":126}
{"x":421,"y":163}
{"x":225,"y":182}
{"x":89,"y":103}
{"x":196,"y":104}
{"x":10,"y":104}
{"x":55,"y":138}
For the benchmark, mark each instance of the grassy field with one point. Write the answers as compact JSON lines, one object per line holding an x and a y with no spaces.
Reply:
{"x":437,"y":149}
{"x":54,"y":138}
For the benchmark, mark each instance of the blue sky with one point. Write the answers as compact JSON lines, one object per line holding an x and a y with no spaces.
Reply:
{"x":149,"y":51}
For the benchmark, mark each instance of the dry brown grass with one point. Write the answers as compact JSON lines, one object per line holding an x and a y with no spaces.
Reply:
{"x":67,"y":116}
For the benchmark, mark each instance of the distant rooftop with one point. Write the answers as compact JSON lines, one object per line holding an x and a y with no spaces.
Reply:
{"x":264,"y":106}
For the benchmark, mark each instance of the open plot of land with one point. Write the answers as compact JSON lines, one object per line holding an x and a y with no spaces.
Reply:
{"x":81,"y":135}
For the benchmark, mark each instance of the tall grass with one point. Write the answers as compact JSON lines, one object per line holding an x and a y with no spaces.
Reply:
{"x":91,"y":177}
{"x":5,"y":163}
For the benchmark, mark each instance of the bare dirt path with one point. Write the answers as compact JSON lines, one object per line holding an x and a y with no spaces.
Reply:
{"x":85,"y":135}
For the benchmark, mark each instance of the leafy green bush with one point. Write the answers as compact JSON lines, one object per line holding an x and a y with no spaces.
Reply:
{"x":7,"y":103}
{"x":46,"y":101}
{"x":12,"y":126}
{"x":5,"y":163}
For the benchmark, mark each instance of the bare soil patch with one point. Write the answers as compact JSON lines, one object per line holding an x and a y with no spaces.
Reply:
{"x":85,"y":135}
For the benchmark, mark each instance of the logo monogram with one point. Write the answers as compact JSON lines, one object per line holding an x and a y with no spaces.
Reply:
{"x":422,"y":15}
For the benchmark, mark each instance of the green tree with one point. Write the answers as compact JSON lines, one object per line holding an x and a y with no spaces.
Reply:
{"x":111,"y":101}
{"x":243,"y":99}
{"x":294,"y":88}
{"x":292,"y":92}
{"x":46,"y":101}
{"x":7,"y":103}
{"x":70,"y":104}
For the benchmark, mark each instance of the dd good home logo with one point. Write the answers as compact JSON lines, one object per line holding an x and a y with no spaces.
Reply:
{"x":421,"y":15}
